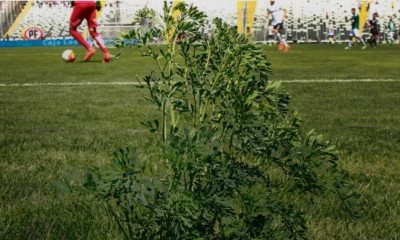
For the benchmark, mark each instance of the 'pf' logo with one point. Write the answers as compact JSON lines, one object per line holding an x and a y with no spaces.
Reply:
{"x":33,"y":33}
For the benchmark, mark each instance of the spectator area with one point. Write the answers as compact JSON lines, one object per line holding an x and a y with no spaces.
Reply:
{"x":302,"y":24}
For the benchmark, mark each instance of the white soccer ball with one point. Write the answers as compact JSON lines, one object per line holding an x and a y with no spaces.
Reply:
{"x":68,"y":55}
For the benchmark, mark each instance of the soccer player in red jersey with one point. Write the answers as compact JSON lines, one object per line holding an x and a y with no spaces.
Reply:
{"x":87,"y":9}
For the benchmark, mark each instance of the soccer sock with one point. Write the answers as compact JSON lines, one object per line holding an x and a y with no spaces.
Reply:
{"x":99,"y":40}
{"x":281,"y":39}
{"x":362,"y":41}
{"x":78,"y":36}
{"x":284,"y":42}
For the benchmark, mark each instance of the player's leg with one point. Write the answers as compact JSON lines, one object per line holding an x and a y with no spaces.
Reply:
{"x":390,"y":37}
{"x":350,"y":40}
{"x":287,"y":47}
{"x":331,"y":40}
{"x":362,"y":42}
{"x":92,"y":23}
{"x":359,"y":37}
{"x":279,"y":39}
{"x":376,"y":39}
{"x":278,"y":35}
{"x":371,"y":40}
{"x":283,"y":45}
{"x":100,"y":42}
{"x":75,"y":22}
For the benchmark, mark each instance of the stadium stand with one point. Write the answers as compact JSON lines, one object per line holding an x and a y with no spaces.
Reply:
{"x":50,"y":16}
{"x":9,"y":11}
{"x":301,"y":25}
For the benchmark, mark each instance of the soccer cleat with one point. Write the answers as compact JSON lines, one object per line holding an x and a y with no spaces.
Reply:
{"x":107,"y":58}
{"x":281,"y":46}
{"x":89,"y":54}
{"x":347,"y":48}
{"x":364,"y":47}
{"x":286,"y":49}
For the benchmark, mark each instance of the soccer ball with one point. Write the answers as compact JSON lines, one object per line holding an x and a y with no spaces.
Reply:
{"x":68,"y":55}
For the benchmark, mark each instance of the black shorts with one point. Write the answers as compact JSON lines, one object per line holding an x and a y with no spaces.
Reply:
{"x":278,"y":26}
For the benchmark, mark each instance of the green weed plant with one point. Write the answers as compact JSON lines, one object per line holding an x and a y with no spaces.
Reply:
{"x":232,"y":161}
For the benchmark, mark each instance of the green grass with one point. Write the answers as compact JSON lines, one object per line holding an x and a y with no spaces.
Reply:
{"x":363,"y":119}
{"x":46,"y":130}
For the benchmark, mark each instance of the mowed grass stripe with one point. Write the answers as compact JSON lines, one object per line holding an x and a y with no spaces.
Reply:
{"x":138,"y":84}
{"x":69,"y":84}
{"x":307,"y":61}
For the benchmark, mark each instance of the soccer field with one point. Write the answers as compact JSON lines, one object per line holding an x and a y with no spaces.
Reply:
{"x":304,"y":62}
{"x":55,"y":116}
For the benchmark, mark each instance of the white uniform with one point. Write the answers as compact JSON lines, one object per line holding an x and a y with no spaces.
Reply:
{"x":276,"y":12}
{"x":331,"y":31}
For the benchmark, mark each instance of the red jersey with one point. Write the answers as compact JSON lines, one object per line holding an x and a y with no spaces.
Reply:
{"x":84,"y":9}
{"x":84,"y":1}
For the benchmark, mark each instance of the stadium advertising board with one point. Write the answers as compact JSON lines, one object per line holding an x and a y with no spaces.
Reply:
{"x":39,"y":43}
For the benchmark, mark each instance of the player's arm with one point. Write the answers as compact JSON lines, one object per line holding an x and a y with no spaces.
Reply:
{"x":284,"y":10}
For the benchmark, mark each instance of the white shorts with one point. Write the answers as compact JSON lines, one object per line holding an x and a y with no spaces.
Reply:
{"x":356,"y":33}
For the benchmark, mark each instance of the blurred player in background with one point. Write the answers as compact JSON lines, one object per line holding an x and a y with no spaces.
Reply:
{"x":87,"y":9}
{"x":271,"y":35}
{"x":355,"y":25}
{"x":331,"y":34}
{"x":390,"y":36}
{"x":374,"y":29}
{"x":278,"y":14}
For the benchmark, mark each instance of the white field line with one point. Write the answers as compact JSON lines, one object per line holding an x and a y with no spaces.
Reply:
{"x":339,"y":80}
{"x":67,"y":84}
{"x":137,"y":83}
